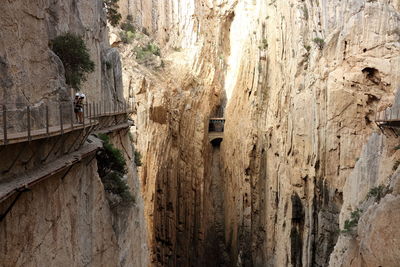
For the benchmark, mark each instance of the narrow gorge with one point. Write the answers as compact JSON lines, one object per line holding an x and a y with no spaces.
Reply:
{"x":213,"y":133}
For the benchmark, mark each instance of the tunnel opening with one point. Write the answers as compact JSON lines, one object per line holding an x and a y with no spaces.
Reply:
{"x":216,"y":142}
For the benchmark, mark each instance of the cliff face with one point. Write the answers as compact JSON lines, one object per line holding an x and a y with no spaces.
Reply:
{"x":62,"y":221}
{"x":299,"y":84}
{"x":302,"y":82}
{"x":65,"y":219}
{"x":31,"y":72}
{"x":308,"y":109}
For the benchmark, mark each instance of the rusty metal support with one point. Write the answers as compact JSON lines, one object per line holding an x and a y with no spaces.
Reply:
{"x":52,"y":148}
{"x":2,"y":216}
{"x":73,"y":144}
{"x":16,"y":158}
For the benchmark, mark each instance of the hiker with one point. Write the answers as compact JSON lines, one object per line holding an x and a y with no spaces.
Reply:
{"x":76,"y":107}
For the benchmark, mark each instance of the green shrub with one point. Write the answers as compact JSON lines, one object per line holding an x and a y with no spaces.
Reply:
{"x":377,"y":192}
{"x":129,"y":18}
{"x":320,"y":42}
{"x":72,"y":51}
{"x":143,"y":53}
{"x":397,"y":147}
{"x":128,"y":27}
{"x":127,"y":36}
{"x":307,"y":47}
{"x":114,"y":183}
{"x":111,"y":157}
{"x":111,"y":7}
{"x":138,"y":158}
{"x":352,"y":222}
{"x":111,"y":168}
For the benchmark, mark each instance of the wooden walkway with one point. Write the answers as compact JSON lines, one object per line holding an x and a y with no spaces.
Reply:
{"x":216,"y":130}
{"x":28,"y":179}
{"x":13,"y":138}
{"x":91,"y":112}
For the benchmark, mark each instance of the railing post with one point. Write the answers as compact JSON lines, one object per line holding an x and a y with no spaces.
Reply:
{"x":47,"y":119}
{"x":72,"y":115}
{"x":5,"y":124}
{"x":28,"y":115}
{"x":83,"y":115}
{"x":61,"y":119}
{"x":94,"y":110}
{"x":90,"y":113}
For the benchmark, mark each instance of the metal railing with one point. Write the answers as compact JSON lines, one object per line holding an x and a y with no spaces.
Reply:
{"x":387,"y":115}
{"x":23,"y":122}
{"x":216,"y":125}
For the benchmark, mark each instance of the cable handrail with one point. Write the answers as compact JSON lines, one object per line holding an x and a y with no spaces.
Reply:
{"x":54,"y":117}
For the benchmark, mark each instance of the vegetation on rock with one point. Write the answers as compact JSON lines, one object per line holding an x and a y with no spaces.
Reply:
{"x":145,"y":52}
{"x":111,"y":169}
{"x":351,"y":223}
{"x":138,"y":158}
{"x":72,"y":51}
{"x":320,"y":42}
{"x":111,"y":7}
{"x":377,"y":192}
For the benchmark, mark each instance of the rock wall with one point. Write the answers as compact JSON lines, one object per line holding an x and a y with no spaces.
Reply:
{"x":304,"y":107}
{"x":61,"y":221}
{"x":66,"y":219}
{"x":31,"y":72}
{"x":302,"y":82}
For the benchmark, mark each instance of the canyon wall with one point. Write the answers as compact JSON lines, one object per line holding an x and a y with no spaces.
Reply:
{"x":65,"y":219}
{"x":302,"y":82}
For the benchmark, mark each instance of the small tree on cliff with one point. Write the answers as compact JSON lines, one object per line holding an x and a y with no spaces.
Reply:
{"x":111,"y":7}
{"x":72,"y":51}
